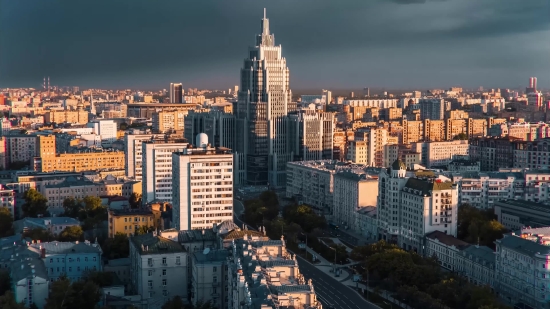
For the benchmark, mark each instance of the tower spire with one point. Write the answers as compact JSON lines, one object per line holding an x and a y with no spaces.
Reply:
{"x":265,"y":15}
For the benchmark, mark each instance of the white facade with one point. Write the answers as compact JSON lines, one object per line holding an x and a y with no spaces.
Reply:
{"x":202,"y":180}
{"x":445,"y":247}
{"x":30,"y":284}
{"x":410,"y":206}
{"x":107,"y":129}
{"x":158,"y":268}
{"x":352,"y":192}
{"x":380,"y":103}
{"x":477,"y":263}
{"x":157,"y":169}
{"x":441,"y":153}
{"x":482,"y":190}
{"x":133,"y":151}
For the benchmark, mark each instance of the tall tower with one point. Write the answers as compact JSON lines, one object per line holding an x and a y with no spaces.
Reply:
{"x":264,"y":100}
{"x":176,"y":93}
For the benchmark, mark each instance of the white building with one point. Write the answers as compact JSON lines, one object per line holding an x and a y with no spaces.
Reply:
{"x":523,"y":267}
{"x":157,"y":168}
{"x":380,"y":103}
{"x":133,"y":150}
{"x":445,"y":247}
{"x":158,"y":268}
{"x":477,"y":263}
{"x":30,"y":284}
{"x":352,"y":191}
{"x":107,"y":129}
{"x":412,"y":204}
{"x":483,"y":189}
{"x":202,"y":181}
{"x":366,"y":223}
{"x":441,"y":153}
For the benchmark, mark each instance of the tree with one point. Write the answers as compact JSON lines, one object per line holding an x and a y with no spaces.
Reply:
{"x":82,"y":294}
{"x":35,"y":204}
{"x":102,"y":279}
{"x":6,"y":222}
{"x":174,"y":303}
{"x":59,"y":294}
{"x":71,"y":233}
{"x":116,"y":247}
{"x":72,"y":207}
{"x":135,"y":200}
{"x":479,"y":226}
{"x":18,"y":165}
{"x":461,"y":136}
{"x":4,"y":281}
{"x":39,"y":234}
{"x":144,"y":230}
{"x":123,"y":126}
{"x":7,"y":301}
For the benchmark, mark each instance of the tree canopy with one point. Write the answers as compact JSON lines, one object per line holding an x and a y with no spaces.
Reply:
{"x":6,"y":222}
{"x":461,"y":136}
{"x":71,"y":233}
{"x":7,"y":301}
{"x":135,"y":200}
{"x":479,"y":226}
{"x":264,"y":208}
{"x":35,"y":204}
{"x":116,"y":247}
{"x":82,"y":294}
{"x":39,"y":234}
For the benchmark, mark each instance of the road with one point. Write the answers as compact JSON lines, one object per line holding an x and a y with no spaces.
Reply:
{"x":330,"y":291}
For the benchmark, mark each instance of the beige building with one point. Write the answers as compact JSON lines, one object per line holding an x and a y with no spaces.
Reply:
{"x":357,"y":152}
{"x":413,"y":131}
{"x":66,"y":116}
{"x":351,"y":192}
{"x":79,"y":162}
{"x":169,"y":120}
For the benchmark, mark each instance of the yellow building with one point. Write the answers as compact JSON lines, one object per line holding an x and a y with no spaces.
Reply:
{"x":128,"y":221}
{"x":434,"y":130}
{"x":357,"y":152}
{"x":166,"y":121}
{"x":79,"y":162}
{"x":413,"y":131}
{"x":66,"y":116}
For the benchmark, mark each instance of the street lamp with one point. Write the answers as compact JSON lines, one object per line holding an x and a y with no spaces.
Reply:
{"x":334,"y":260}
{"x":306,"y":243}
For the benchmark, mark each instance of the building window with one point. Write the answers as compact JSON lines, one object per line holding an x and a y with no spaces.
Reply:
{"x":178,"y":260}
{"x":150,"y":273}
{"x":86,"y":259}
{"x":150,"y":261}
{"x":150,"y":283}
{"x":214,"y":269}
{"x":163,"y":282}
{"x":164,"y":293}
{"x":163,"y":261}
{"x":164,"y":272}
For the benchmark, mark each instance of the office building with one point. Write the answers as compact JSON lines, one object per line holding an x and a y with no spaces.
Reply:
{"x":202,"y":182}
{"x":352,"y":191}
{"x":158,"y":269}
{"x":106,"y":129}
{"x":414,"y":203}
{"x":176,"y":93}
{"x":220,"y":127}
{"x":516,"y":214}
{"x":133,"y":149}
{"x":157,"y":168}
{"x":264,"y":101}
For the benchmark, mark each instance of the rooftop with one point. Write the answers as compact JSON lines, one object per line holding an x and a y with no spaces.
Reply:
{"x":151,"y":244}
{"x":524,"y":204}
{"x":447,"y":239}
{"x":522,"y":245}
{"x":481,"y":253}
{"x":211,"y":256}
{"x":428,"y":186}
{"x":56,"y":247}
{"x":130,"y":212}
{"x":28,"y":267}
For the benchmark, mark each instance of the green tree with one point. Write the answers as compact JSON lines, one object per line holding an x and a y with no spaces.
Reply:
{"x":116,"y":247}
{"x":102,"y":279}
{"x":71,"y":233}
{"x":6,"y":222}
{"x":72,"y":207}
{"x":143,"y":230}
{"x":35,"y":204}
{"x":361,"y":253}
{"x":123,"y":126}
{"x":174,"y":303}
{"x":7,"y":301}
{"x":461,"y":136}
{"x":135,"y":200}
{"x":4,"y":281}
{"x":479,"y":226}
{"x":39,"y":234}
{"x":59,"y":296}
{"x":82,"y":294}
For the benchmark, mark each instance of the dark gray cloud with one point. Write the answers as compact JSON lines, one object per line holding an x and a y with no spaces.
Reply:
{"x":138,"y":43}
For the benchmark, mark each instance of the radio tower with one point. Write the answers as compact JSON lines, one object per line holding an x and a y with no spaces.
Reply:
{"x":44,"y":84}
{"x":48,"y":86}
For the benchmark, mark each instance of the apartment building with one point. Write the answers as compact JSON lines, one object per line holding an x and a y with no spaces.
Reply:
{"x":54,"y":225}
{"x":445,"y":247}
{"x":133,"y":149}
{"x":441,"y":153}
{"x":208,"y":277}
{"x":402,"y":152}
{"x":169,"y":121}
{"x":29,"y":282}
{"x":21,"y":148}
{"x":352,"y":191}
{"x":366,"y":223}
{"x":79,"y":162}
{"x":311,"y":135}
{"x":202,"y":181}
{"x":7,"y":200}
{"x":477,"y":264}
{"x":413,"y":203}
{"x":432,"y":108}
{"x":484,"y":189}
{"x":106,"y":129}
{"x":127,"y":221}
{"x":158,"y":269}
{"x":494,"y":153}
{"x":357,"y":152}
{"x":157,"y":168}
{"x":522,"y":267}
{"x":463,"y":165}
{"x":79,"y":116}
{"x":380,"y":103}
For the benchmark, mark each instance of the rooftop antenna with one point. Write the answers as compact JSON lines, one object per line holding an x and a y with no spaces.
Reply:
{"x":265,"y":15}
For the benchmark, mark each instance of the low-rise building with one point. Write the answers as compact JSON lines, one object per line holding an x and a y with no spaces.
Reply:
{"x":517,"y":214}
{"x":158,"y":268}
{"x":79,"y":162}
{"x":445,"y":248}
{"x":477,"y":264}
{"x":121,"y":267}
{"x":366,"y":223}
{"x":459,"y":166}
{"x":54,"y":225}
{"x":30,"y":284}
{"x":128,"y":221}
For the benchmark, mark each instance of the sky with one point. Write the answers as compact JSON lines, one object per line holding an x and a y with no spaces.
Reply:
{"x":331,"y":44}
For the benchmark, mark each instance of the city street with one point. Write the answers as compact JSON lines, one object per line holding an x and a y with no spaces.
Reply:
{"x":330,"y":291}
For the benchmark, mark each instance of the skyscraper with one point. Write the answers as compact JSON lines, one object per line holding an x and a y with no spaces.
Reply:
{"x":533,"y":83}
{"x":176,"y":93}
{"x":264,"y":100}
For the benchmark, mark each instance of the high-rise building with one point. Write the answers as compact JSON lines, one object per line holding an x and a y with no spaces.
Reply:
{"x":202,"y":182}
{"x":176,"y":93}
{"x":311,"y":135}
{"x":264,"y":100}
{"x":132,"y":149}
{"x":533,"y":83}
{"x":432,"y":109}
{"x":157,"y":168}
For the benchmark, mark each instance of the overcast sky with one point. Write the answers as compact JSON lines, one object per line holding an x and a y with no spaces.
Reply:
{"x":328,"y":43}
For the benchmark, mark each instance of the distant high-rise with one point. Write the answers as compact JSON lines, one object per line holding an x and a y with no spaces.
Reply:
{"x":176,"y":93}
{"x":533,"y":83}
{"x":264,"y":100}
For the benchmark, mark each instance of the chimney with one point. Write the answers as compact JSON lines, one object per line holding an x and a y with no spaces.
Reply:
{"x":43,"y":253}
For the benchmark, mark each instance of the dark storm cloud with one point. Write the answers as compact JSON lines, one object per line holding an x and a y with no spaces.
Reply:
{"x":202,"y":43}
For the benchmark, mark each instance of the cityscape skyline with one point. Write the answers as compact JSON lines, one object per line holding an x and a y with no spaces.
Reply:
{"x":356,"y":45}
